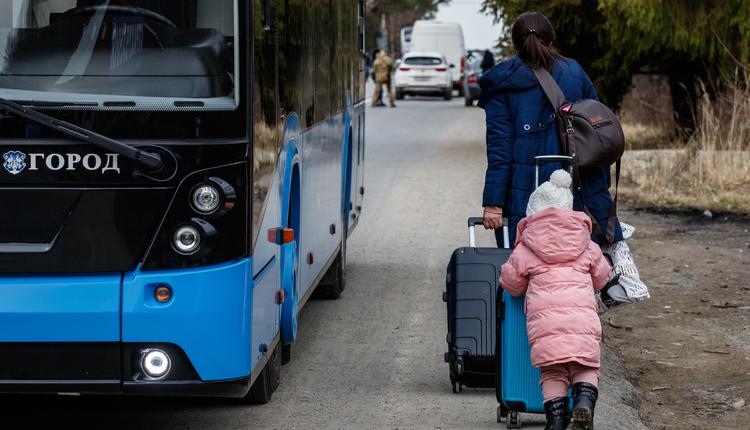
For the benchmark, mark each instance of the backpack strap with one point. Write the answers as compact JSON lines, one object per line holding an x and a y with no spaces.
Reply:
{"x":611,"y":222}
{"x":550,"y":88}
{"x":605,"y":236}
{"x":556,"y":98}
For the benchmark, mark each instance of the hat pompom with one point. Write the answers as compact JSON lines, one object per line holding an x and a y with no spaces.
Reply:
{"x":561,"y":178}
{"x":554,"y":193}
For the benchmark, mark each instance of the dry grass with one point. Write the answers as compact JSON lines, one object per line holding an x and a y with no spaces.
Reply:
{"x":671,"y":179}
{"x":644,"y":136}
{"x":712,"y":171}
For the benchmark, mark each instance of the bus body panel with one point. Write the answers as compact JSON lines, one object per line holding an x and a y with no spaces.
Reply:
{"x":358,"y":164}
{"x":60,"y":308}
{"x":319,"y":152}
{"x":266,"y":256}
{"x":209,"y":315}
{"x":321,"y":198}
{"x":265,"y":274}
{"x":265,"y":310}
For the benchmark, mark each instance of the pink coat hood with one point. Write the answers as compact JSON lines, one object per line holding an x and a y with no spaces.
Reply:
{"x":555,"y":235}
{"x":557,"y":266}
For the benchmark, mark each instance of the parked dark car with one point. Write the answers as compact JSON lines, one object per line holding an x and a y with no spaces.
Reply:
{"x":471,"y":76}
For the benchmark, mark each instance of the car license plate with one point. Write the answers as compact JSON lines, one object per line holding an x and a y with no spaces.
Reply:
{"x":423,"y":78}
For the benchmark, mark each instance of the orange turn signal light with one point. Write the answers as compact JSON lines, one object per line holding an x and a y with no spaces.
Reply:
{"x":280,"y":236}
{"x":162,"y":294}
{"x":280,"y":297}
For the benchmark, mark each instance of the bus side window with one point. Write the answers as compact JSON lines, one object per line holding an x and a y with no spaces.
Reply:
{"x":322,"y":59}
{"x":266,"y":143}
{"x":291,"y":56}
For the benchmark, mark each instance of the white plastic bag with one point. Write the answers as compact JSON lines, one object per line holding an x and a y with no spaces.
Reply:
{"x":629,"y":288}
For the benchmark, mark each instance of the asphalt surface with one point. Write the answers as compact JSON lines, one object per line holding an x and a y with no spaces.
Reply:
{"x":374,"y":358}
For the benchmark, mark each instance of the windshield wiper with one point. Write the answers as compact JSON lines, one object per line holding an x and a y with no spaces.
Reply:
{"x":148,"y":159}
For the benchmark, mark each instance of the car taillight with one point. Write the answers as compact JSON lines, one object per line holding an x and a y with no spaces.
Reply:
{"x":473,"y":79}
{"x":441,"y":69}
{"x":404,"y":69}
{"x":463,"y":64}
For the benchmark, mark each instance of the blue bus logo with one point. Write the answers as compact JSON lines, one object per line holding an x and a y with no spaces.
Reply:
{"x":15,"y":162}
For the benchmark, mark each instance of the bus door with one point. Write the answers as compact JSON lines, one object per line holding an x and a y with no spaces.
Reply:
{"x":266,"y":198}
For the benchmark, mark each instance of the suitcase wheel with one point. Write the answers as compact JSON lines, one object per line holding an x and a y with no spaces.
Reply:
{"x":502,"y":413}
{"x":457,"y":387}
{"x":460,"y":365}
{"x":514,"y":421}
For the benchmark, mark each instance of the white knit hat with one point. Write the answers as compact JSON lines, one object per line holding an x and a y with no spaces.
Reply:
{"x":554,"y":193}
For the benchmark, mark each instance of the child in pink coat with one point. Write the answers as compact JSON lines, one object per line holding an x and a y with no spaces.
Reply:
{"x":559,"y":268}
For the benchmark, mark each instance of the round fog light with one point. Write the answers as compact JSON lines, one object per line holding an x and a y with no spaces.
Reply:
{"x":186,"y":239}
{"x":155,"y":363}
{"x":206,"y":199}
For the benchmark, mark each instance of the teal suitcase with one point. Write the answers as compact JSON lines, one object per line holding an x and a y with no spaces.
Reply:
{"x":517,"y":381}
{"x":517,"y":385}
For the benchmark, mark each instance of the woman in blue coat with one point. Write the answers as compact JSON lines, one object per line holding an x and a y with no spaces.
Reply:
{"x":521,"y":125}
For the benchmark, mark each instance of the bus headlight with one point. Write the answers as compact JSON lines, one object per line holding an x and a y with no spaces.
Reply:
{"x":206,"y":199}
{"x":155,"y":363}
{"x":186,"y":239}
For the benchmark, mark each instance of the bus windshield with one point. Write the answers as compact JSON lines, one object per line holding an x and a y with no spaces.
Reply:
{"x":120,"y":54}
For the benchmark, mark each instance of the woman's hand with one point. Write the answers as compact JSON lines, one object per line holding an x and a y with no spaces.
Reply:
{"x":493,"y":217}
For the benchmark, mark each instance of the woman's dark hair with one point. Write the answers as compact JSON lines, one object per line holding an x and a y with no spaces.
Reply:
{"x":533,"y":36}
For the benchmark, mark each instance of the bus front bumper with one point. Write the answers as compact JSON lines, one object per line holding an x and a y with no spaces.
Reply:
{"x":89,"y":334}
{"x":102,"y":368}
{"x":223,"y":389}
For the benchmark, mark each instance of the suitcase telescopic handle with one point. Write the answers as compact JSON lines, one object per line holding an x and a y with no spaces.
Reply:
{"x":475,"y":221}
{"x":539,"y":159}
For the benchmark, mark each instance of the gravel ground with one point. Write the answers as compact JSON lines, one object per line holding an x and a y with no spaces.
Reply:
{"x":688,"y":349}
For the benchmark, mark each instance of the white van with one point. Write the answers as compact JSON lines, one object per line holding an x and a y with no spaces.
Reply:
{"x":446,"y":38}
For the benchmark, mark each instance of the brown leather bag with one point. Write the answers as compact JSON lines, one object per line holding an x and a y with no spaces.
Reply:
{"x":590,"y":133}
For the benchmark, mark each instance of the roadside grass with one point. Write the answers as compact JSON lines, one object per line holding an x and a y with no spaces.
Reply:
{"x":645,"y":136}
{"x":680,"y":179}
{"x":709,"y":172}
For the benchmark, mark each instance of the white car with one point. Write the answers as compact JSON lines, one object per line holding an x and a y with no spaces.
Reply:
{"x":425,"y":73}
{"x":447,"y":38}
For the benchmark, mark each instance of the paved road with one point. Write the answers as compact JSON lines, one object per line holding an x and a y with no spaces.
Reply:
{"x":374,"y":358}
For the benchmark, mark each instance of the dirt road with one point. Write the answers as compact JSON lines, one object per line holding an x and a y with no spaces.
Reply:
{"x":688,"y":349}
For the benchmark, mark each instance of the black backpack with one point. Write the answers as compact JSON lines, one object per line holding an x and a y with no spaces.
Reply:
{"x":590,"y":133}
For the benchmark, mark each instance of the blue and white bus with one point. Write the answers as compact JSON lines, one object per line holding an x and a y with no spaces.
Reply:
{"x":178,"y":179}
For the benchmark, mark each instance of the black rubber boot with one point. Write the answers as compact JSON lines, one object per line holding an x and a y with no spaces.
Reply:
{"x":584,"y":402}
{"x":558,"y":413}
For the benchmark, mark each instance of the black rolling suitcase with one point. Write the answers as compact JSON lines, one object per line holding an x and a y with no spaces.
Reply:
{"x":471,"y":287}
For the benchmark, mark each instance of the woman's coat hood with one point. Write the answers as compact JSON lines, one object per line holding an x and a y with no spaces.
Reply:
{"x":556,"y":235}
